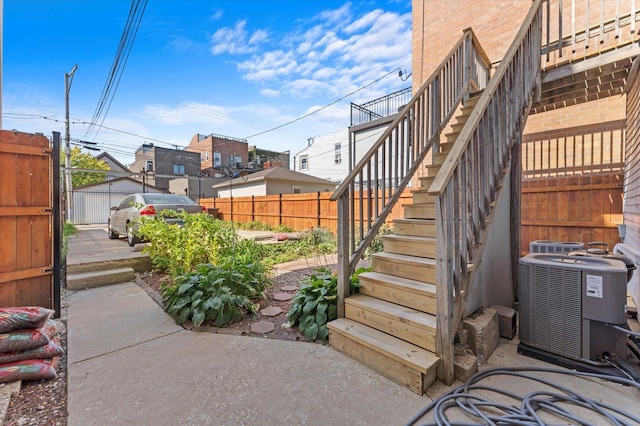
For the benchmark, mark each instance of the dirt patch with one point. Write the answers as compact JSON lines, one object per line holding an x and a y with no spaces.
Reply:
{"x":285,"y":283}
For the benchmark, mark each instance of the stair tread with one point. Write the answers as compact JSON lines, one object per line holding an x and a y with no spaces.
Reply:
{"x":383,"y":307}
{"x":397,"y":349}
{"x":105,"y":272}
{"x":406,"y":283}
{"x":413,"y":238}
{"x":413,"y":221}
{"x":403,"y":258}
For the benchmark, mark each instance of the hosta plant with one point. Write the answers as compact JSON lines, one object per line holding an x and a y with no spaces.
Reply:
{"x":315,"y":303}
{"x":216,"y":293}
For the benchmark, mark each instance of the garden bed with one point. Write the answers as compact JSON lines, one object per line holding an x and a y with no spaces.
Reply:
{"x":283,"y":284}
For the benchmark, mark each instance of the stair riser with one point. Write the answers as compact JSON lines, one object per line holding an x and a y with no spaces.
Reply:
{"x":427,"y":229}
{"x":397,"y":327}
{"x":433,"y":169}
{"x":418,"y":272}
{"x":421,"y":302}
{"x":423,"y":197}
{"x":419,"y":212}
{"x":391,"y":369}
{"x":411,"y":248}
{"x":426,"y":181}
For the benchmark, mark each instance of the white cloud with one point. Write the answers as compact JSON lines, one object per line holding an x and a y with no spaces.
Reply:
{"x":236,"y":40}
{"x":269,"y":93}
{"x":340,"y":52}
{"x":180,"y":43}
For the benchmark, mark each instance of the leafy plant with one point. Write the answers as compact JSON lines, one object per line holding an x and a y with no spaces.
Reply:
{"x":216,"y":293}
{"x":315,"y":303}
{"x":178,"y":249}
{"x":377,"y":244}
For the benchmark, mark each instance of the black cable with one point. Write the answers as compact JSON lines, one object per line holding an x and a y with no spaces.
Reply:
{"x":474,"y":405}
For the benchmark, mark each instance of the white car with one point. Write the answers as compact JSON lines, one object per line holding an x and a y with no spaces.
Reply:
{"x":123,"y":219}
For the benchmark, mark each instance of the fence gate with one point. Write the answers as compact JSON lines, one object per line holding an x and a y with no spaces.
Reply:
{"x":30,"y":227}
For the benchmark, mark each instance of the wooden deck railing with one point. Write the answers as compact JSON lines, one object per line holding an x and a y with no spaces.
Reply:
{"x":469,"y":180}
{"x":381,"y":175}
{"x":578,"y":28}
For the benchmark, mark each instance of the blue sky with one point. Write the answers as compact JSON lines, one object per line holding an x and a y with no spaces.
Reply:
{"x":235,"y":68}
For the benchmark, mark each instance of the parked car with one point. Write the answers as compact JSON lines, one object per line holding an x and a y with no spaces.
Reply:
{"x":123,"y":219}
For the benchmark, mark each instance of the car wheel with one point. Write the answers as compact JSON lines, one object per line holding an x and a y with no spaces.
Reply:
{"x":131,"y":238}
{"x":112,"y":235}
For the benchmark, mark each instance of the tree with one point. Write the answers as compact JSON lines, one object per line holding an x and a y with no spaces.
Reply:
{"x":86,"y":161}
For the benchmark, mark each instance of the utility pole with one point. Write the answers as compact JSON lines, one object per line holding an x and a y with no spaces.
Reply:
{"x":68,"y":79}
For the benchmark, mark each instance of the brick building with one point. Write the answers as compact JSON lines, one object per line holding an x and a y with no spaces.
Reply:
{"x":220,"y":155}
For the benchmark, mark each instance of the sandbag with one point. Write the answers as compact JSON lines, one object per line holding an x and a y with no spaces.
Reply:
{"x":50,"y":350}
{"x":17,"y":318}
{"x":31,"y":369}
{"x":22,"y":340}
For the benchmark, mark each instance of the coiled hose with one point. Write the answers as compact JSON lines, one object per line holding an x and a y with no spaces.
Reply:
{"x":489,"y":412}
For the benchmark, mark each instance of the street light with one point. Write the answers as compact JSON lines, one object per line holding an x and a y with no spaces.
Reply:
{"x":68,"y":79}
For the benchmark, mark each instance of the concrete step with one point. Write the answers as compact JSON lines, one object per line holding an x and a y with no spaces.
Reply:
{"x":410,"y":325}
{"x":404,"y":363}
{"x":413,"y":294}
{"x":82,"y":280}
{"x":416,"y":227}
{"x":138,"y":264}
{"x":411,"y":267}
{"x":410,"y":245}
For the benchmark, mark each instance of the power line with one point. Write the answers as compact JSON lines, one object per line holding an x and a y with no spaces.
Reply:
{"x":136,"y":11}
{"x":323,"y":107}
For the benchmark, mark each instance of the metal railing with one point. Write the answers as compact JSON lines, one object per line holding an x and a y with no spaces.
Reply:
{"x":381,"y":107}
{"x":469,"y":180}
{"x":390,"y":163}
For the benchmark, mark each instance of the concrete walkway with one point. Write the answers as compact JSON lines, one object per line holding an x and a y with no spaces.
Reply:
{"x":129,"y":363}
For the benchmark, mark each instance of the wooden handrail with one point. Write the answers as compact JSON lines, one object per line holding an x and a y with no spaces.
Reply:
{"x":367,"y":157}
{"x":447,"y":168}
{"x":470,"y":182}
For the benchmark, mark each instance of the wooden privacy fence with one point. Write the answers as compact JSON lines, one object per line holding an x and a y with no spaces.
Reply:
{"x":582,"y":209}
{"x":297,"y":211}
{"x":29,"y":220}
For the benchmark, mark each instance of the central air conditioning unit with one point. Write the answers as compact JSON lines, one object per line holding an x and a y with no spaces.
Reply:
{"x":566,"y":304}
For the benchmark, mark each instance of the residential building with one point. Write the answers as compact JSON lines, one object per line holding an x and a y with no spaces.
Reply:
{"x":218,"y":155}
{"x":263,"y":159}
{"x":115,"y":166}
{"x":328,"y":156}
{"x":156,"y":166}
{"x":273,"y":181}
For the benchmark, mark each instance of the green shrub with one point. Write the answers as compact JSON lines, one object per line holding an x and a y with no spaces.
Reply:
{"x":283,"y":228}
{"x":69,"y":229}
{"x":254,"y":226}
{"x":178,"y":249}
{"x":216,"y":293}
{"x":315,"y":303}
{"x":377,"y":244}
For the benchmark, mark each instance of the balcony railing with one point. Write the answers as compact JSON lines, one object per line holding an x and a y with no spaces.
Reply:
{"x":381,"y":107}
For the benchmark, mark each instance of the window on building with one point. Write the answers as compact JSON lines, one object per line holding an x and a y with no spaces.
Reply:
{"x":337,"y":153}
{"x":297,"y":189}
{"x":202,"y":157}
{"x":230,"y":160}
{"x":149,"y":165}
{"x":304,"y":162}
{"x":217,"y":159}
{"x":206,"y":155}
{"x":237,"y":161}
{"x":178,"y":169}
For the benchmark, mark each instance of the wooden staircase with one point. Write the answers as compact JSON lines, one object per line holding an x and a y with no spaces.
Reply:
{"x":390,"y":326}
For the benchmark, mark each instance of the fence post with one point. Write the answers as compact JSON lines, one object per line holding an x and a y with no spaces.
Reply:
{"x":280,"y":209}
{"x":253,"y":209}
{"x":318,"y":209}
{"x":231,"y":206}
